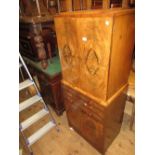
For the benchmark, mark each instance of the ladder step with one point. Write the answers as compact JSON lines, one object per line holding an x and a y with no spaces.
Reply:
{"x":25,"y":84}
{"x":27,"y":103}
{"x":25,"y":124}
{"x":42,"y":131}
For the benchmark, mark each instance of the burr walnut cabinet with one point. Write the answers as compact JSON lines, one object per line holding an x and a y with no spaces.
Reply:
{"x":95,"y":49}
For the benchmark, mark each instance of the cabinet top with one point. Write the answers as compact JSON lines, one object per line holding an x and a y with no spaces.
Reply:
{"x":97,"y":13}
{"x":53,"y":68}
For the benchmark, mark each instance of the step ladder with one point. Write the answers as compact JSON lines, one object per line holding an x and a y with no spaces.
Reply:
{"x":37,"y":116}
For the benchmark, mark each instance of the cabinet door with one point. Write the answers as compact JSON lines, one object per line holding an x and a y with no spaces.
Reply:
{"x":94,"y":41}
{"x":66,"y":30}
{"x":74,"y":114}
{"x":84,"y":47}
{"x":85,"y":121}
{"x":92,"y":129}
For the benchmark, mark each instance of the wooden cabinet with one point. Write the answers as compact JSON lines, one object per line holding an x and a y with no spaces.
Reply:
{"x":95,"y":49}
{"x":50,"y":82}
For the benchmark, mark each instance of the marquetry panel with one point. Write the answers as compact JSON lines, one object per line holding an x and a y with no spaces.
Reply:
{"x":94,"y":63}
{"x":68,"y":50}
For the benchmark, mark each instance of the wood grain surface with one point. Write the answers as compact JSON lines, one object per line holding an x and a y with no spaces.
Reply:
{"x":96,"y":49}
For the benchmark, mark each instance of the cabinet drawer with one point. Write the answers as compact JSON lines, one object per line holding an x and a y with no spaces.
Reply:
{"x":67,"y":95}
{"x":89,"y":106}
{"x":90,"y":113}
{"x":68,"y":91}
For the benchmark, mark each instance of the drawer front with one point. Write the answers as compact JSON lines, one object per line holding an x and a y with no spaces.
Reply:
{"x":73,"y":113}
{"x":87,"y":105}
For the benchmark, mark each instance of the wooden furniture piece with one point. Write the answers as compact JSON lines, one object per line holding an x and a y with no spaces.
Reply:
{"x":106,"y":4}
{"x":98,"y":4}
{"x":37,"y":38}
{"x":49,"y":80}
{"x":95,"y":49}
{"x":37,"y":7}
{"x":125,"y":3}
{"x":82,"y":5}
{"x":30,"y":8}
{"x":65,"y":5}
{"x":74,"y":5}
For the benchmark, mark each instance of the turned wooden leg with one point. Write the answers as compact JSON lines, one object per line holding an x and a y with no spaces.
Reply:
{"x":40,"y":46}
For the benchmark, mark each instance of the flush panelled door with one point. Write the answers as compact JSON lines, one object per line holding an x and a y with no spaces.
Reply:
{"x":94,"y":51}
{"x":68,"y":49}
{"x":80,"y":49}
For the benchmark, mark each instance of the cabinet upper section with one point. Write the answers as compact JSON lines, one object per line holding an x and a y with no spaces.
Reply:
{"x":95,"y":49}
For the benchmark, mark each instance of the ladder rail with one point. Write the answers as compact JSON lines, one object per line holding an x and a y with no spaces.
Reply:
{"x":26,"y":142}
{"x":27,"y":71}
{"x":24,"y":65}
{"x":45,"y":106}
{"x":43,"y":102}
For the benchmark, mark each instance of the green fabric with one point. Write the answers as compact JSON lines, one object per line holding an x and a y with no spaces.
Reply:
{"x":53,"y":68}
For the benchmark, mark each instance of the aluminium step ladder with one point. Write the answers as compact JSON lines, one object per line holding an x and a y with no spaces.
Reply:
{"x":37,"y":116}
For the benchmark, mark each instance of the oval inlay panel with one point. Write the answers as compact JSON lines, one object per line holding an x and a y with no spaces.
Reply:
{"x":67,"y":54}
{"x":92,"y":63}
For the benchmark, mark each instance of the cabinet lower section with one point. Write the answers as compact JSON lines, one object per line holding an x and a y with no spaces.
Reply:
{"x":98,"y":124}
